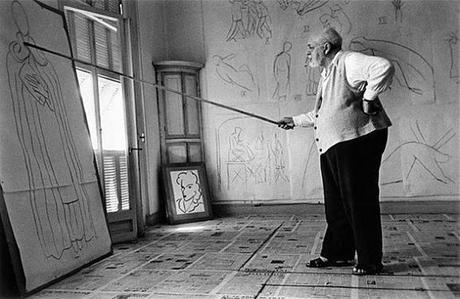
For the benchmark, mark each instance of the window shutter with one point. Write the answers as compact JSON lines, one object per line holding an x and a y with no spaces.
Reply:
{"x":82,"y":37}
{"x":110,"y":183}
{"x":102,"y":49}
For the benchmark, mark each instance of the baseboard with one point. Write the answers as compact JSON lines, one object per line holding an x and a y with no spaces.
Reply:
{"x":387,"y":207}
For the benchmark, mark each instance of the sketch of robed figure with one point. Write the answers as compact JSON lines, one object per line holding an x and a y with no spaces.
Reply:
{"x":61,"y":212}
{"x":282,"y":72}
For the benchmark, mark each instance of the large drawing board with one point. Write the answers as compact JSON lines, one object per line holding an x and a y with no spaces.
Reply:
{"x":52,"y":203}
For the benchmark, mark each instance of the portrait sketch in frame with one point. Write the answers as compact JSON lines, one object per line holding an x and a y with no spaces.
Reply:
{"x":186,"y":191}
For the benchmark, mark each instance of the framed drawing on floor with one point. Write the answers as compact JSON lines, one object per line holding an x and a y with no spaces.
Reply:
{"x":186,"y":193}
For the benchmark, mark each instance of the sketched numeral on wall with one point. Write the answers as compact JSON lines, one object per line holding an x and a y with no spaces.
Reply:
{"x":62,"y":221}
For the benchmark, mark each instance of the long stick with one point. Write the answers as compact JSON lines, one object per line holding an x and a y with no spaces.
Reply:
{"x":153,"y":84}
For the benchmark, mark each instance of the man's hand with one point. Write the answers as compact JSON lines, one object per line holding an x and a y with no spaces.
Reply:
{"x":371,"y":107}
{"x":286,"y":123}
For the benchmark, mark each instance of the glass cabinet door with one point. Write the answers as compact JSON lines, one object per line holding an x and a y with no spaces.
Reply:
{"x":180,"y":116}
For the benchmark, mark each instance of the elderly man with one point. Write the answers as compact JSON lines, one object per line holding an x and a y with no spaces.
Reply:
{"x":350,"y":128}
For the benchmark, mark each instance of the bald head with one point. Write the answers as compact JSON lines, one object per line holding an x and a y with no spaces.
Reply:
{"x":331,"y":36}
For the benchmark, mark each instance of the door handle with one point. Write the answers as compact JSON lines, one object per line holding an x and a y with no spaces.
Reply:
{"x":131,"y":149}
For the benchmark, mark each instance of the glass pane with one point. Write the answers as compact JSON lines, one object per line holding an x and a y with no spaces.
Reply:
{"x":112,"y":110}
{"x":85,"y":80}
{"x":193,"y":124}
{"x":177,"y":153}
{"x":114,"y":145}
{"x":194,"y":152}
{"x":173,"y":104}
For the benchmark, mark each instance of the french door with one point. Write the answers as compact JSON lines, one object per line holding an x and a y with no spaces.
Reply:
{"x":98,"y":37}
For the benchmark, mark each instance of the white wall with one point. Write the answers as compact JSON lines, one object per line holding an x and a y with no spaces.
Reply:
{"x":422,"y":156}
{"x":152,"y":45}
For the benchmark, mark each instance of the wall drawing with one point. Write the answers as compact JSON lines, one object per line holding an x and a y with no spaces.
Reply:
{"x":249,"y":18}
{"x":452,"y":42}
{"x":282,"y":72}
{"x":248,"y":156}
{"x":61,"y":221}
{"x":302,"y":7}
{"x":337,"y":19}
{"x":413,"y":71}
{"x":397,"y":5}
{"x":239,"y":76}
{"x":187,"y":192}
{"x":429,"y":157}
{"x":313,"y":76}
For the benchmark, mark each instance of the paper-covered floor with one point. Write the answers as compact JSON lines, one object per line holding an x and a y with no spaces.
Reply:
{"x":265,"y":256}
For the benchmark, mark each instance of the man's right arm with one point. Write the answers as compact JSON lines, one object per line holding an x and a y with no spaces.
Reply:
{"x":301,"y":120}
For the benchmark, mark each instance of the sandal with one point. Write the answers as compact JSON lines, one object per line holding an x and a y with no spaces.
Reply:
{"x":320,"y":263}
{"x":367,"y":270}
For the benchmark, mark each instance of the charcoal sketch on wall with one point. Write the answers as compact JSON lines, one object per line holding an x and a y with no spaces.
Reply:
{"x":397,"y":6}
{"x":302,"y":7}
{"x":235,"y":75}
{"x":249,"y":18}
{"x":61,"y":222}
{"x":421,"y":156}
{"x":453,"y":45}
{"x":418,"y":37}
{"x":249,"y":156}
{"x":282,"y":72}
{"x":413,"y":71}
{"x":337,"y":19}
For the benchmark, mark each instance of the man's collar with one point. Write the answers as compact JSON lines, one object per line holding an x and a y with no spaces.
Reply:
{"x":325,"y":71}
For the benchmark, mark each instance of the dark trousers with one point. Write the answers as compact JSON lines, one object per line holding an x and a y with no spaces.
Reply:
{"x":350,"y":173}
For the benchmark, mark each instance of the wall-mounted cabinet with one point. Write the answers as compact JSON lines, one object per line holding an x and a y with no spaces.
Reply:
{"x":180,"y":116}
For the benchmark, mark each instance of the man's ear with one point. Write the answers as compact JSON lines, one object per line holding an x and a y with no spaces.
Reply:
{"x":326,"y":48}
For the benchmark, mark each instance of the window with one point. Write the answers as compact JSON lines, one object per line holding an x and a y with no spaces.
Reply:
{"x":97,"y":38}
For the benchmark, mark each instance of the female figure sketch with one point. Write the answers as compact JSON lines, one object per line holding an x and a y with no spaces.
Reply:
{"x":281,"y":72}
{"x":192,"y":197}
{"x":240,"y":77}
{"x":61,"y":212}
